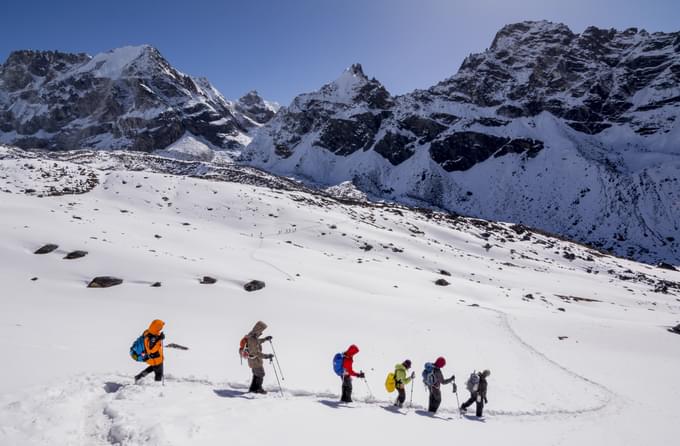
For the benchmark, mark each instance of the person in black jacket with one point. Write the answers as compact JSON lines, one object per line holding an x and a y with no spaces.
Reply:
{"x":478,"y":393}
{"x":435,"y":387}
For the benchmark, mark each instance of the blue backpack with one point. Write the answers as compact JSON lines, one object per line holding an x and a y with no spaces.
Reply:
{"x":138,"y":351}
{"x":428,"y":374}
{"x":338,"y":359}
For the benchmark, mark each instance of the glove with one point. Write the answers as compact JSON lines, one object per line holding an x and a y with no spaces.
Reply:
{"x":455,"y":388}
{"x":155,"y":355}
{"x":268,"y":338}
{"x":361,"y":375}
{"x":162,"y":336}
{"x":268,"y":356}
{"x":413,"y":375}
{"x":486,"y":401}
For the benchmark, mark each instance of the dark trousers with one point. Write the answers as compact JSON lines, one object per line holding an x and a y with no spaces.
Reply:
{"x":156,"y":369}
{"x":435,"y":399}
{"x":258,"y":379}
{"x":473,"y":399}
{"x":402,"y":395}
{"x":346,"y":389}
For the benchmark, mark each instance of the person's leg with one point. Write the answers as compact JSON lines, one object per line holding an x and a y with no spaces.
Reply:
{"x":143,"y":373}
{"x":347,"y":389}
{"x":435,"y":399}
{"x":158,"y":372}
{"x":468,"y":403}
{"x":480,"y":407}
{"x":402,"y":396}
{"x":253,"y":382}
{"x":259,"y":374}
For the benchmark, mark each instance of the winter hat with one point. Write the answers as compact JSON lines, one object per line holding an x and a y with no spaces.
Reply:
{"x":407,"y":363}
{"x":486,"y":373}
{"x":440,"y":362}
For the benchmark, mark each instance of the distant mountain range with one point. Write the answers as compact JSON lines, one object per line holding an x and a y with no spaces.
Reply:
{"x":127,"y":98}
{"x":575,"y":134}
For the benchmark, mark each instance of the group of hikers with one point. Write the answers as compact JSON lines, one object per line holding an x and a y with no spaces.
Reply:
{"x":149,"y":348}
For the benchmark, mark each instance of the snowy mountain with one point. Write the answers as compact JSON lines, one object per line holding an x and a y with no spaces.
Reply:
{"x":576,"y":134}
{"x":127,"y":98}
{"x":574,"y":338}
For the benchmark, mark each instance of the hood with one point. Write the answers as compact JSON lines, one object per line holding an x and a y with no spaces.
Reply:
{"x":352,"y":350}
{"x":156,"y":326}
{"x":258,"y":328}
{"x":440,"y":362}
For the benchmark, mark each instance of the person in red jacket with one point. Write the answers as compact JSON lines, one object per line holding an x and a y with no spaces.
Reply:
{"x":348,"y":373}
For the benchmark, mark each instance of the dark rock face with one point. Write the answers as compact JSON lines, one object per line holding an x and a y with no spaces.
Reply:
{"x":345,"y":136}
{"x":395,"y":148}
{"x":462,"y":150}
{"x":254,"y":285}
{"x":104,"y":282}
{"x":128,"y":98}
{"x":46,"y":249}
{"x":75,"y":255}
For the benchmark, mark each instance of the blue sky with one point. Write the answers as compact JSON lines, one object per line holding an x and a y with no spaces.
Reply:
{"x":285,"y":47}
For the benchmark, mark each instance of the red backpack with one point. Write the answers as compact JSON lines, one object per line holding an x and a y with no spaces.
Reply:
{"x":243,"y":348}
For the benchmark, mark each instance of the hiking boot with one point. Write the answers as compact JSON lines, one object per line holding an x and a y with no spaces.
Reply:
{"x":260,"y":391}
{"x":463,"y":409}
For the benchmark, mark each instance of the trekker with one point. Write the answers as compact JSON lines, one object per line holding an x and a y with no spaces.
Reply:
{"x":255,"y":356}
{"x":348,"y":372}
{"x":153,"y":346}
{"x":437,"y":381}
{"x":401,"y":379}
{"x":477,"y":386}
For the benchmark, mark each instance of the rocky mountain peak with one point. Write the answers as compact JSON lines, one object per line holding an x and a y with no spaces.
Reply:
{"x":510,"y":36}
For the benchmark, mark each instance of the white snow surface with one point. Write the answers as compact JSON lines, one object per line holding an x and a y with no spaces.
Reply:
{"x":67,"y":376}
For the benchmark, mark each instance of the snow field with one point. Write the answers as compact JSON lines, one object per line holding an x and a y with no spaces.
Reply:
{"x":69,"y":378}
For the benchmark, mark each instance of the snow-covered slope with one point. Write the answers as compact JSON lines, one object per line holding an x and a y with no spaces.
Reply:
{"x":575,"y":339}
{"x":572,"y":133}
{"x":126,"y":98}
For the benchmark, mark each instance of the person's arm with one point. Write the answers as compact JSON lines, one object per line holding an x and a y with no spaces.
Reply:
{"x":450,"y":380}
{"x":347,"y":365}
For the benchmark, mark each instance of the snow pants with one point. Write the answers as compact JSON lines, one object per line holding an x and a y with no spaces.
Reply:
{"x":258,"y":379}
{"x":435,"y":399}
{"x":402,"y":395}
{"x":156,"y":369}
{"x":473,"y":399}
{"x":346,"y":389}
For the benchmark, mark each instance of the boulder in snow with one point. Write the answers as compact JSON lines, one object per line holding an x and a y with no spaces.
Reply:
{"x":254,"y":285}
{"x":46,"y":249}
{"x":104,"y":282}
{"x":207,"y":280}
{"x":75,"y":255}
{"x":442,"y":282}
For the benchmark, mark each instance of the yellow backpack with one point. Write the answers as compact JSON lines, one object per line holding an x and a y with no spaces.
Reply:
{"x":390,"y":383}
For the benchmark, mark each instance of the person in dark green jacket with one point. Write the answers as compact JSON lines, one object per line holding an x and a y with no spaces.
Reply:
{"x":401,"y":379}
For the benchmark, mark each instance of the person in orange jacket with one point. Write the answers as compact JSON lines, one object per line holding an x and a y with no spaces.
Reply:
{"x":153,"y":344}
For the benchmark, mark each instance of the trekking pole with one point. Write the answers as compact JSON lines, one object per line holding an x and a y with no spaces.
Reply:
{"x":271,"y":361}
{"x":277,"y":359}
{"x":369,"y":388}
{"x":410,"y":402}
{"x":163,"y":377}
{"x":455,"y":390}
